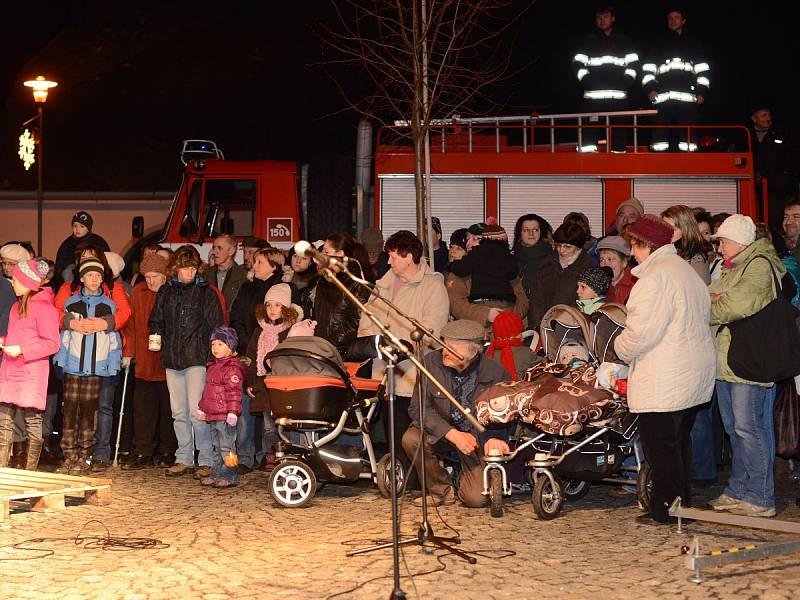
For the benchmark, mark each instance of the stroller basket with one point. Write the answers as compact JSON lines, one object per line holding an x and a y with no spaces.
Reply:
{"x":309,"y":397}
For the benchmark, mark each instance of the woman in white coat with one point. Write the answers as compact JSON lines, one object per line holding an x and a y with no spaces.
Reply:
{"x":668,"y":343}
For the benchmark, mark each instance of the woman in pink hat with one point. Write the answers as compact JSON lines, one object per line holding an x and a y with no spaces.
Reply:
{"x":32,"y":338}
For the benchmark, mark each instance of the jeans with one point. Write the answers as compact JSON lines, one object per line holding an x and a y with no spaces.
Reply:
{"x":269,"y":437}
{"x":704,"y":454}
{"x":49,"y":414}
{"x":223,"y":439}
{"x":742,"y":408}
{"x":246,"y":434}
{"x":105,"y":419}
{"x":185,"y":391}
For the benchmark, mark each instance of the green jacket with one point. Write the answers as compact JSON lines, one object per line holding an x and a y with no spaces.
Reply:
{"x":746,"y":291}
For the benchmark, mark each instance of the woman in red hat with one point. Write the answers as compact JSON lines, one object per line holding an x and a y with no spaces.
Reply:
{"x":668,"y":343}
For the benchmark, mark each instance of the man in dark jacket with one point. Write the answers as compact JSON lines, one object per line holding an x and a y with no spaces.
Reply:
{"x":676,"y":78}
{"x":226,"y":273}
{"x":446,"y":429}
{"x":606,"y":66}
{"x":775,"y":158}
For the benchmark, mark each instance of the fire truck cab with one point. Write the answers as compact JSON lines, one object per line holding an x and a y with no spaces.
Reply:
{"x":505,"y":167}
{"x":240,"y":198}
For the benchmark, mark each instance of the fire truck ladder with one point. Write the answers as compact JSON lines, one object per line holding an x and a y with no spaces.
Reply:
{"x":696,"y":559}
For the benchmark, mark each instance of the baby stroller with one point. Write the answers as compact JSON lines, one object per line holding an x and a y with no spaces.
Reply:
{"x":573,"y":432}
{"x":314,"y":400}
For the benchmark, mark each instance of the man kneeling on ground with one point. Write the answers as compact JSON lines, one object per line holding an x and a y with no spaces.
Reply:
{"x":446,"y":429}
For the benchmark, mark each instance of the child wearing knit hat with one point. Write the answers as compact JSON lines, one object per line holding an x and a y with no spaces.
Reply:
{"x":592,"y":287}
{"x":31,"y":338}
{"x":90,"y":351}
{"x":492,"y":268}
{"x":507,"y":346}
{"x":275,"y":317}
{"x":221,"y":405}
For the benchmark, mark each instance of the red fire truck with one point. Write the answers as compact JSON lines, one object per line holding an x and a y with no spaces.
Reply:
{"x":508,"y":166}
{"x":241,"y":198}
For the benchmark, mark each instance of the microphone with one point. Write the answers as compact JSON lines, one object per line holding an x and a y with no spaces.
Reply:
{"x":304,"y":248}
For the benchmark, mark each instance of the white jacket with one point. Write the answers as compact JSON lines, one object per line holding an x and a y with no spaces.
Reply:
{"x":667,"y":340}
{"x":424,"y":298}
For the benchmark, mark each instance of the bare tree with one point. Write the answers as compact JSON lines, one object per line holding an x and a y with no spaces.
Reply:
{"x":424,"y":59}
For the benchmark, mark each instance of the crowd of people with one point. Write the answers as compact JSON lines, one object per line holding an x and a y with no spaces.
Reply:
{"x":195,"y":332}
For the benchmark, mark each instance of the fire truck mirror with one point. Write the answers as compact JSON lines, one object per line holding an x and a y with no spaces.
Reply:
{"x":137,"y":227}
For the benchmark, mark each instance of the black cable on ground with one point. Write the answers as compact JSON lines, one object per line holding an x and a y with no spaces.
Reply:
{"x":89,"y":542}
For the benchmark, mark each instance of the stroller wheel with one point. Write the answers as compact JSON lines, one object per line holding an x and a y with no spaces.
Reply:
{"x":644,"y":486}
{"x":575,"y":489}
{"x":496,"y":493}
{"x":547,"y":499}
{"x":385,"y":479}
{"x":292,"y":484}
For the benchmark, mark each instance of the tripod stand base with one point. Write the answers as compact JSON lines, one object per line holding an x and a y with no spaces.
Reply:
{"x":425,"y":536}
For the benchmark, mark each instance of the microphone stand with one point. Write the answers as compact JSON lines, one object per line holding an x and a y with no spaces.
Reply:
{"x":425,"y":532}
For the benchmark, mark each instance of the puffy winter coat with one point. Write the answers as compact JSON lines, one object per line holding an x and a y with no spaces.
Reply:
{"x":223,"y":391}
{"x":666,"y":339}
{"x":424,"y":297}
{"x":117,"y":294}
{"x":746,"y":289}
{"x":97,"y":353}
{"x":23,"y":379}
{"x":184,"y":316}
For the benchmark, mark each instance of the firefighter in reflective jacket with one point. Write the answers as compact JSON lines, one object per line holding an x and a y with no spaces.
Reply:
{"x":676,"y":79}
{"x":606,"y":66}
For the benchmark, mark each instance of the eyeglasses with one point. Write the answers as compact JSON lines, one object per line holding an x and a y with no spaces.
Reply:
{"x":563,"y":246}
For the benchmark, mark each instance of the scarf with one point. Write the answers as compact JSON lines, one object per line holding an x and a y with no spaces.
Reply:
{"x":529,"y":255}
{"x":267,"y":340}
{"x":464,"y":384}
{"x":506,"y":353}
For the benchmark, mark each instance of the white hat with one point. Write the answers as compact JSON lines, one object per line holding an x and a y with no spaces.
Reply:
{"x":737,"y":228}
{"x":15,"y":253}
{"x":116,"y":262}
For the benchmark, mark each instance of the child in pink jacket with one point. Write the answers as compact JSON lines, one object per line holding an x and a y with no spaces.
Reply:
{"x":31,"y":339}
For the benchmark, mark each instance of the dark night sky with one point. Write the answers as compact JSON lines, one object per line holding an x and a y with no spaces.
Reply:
{"x":137,"y":78}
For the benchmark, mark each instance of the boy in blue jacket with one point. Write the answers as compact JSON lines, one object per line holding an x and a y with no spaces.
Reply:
{"x":90,"y":349}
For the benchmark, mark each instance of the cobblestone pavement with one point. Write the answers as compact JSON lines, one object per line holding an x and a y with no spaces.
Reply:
{"x":238,"y":543}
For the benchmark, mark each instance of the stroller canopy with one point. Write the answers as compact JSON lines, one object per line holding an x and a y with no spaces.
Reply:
{"x":606,"y":324}
{"x":309,"y":355}
{"x":560,"y":325}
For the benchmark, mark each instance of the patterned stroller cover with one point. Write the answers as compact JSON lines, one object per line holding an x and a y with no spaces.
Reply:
{"x":555,"y":398}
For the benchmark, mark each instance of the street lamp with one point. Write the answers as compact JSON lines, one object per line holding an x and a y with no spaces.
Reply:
{"x":40,"y":87}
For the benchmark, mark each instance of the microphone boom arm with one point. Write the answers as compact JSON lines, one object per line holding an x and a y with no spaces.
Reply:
{"x":398,"y":345}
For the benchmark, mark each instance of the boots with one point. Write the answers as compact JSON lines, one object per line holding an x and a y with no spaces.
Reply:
{"x":34,"y":450}
{"x":5,"y":454}
{"x":18,"y":458}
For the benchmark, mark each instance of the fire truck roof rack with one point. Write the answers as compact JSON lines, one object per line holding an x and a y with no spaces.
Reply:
{"x":457,"y":120}
{"x":200,"y":150}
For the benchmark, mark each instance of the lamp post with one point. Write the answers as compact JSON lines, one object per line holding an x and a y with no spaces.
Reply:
{"x":40,"y":87}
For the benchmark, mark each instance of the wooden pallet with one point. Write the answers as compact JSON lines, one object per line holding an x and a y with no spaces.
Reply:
{"x":46,"y":491}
